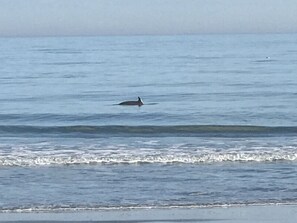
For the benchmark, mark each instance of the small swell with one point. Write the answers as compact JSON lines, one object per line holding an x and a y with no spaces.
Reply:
{"x":152,"y":130}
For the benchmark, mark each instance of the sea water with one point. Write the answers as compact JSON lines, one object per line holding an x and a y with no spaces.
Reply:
{"x":218,"y":126}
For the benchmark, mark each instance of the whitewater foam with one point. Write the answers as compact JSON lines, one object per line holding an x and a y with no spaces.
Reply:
{"x":22,"y":157}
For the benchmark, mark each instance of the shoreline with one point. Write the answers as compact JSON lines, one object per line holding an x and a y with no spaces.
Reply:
{"x":265,"y":213}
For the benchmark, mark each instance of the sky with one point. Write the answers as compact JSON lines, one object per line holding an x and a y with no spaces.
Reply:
{"x":145,"y":17}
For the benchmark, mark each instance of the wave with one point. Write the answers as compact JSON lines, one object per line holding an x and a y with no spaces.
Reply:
{"x":135,"y":157}
{"x":152,"y":130}
{"x":75,"y":208}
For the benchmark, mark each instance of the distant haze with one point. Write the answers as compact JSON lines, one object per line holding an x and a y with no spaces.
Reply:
{"x":141,"y":17}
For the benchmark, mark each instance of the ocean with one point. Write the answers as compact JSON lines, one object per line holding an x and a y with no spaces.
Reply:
{"x":218,"y":126}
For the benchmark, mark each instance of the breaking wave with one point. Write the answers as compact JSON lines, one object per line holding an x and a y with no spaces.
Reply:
{"x":134,"y":157}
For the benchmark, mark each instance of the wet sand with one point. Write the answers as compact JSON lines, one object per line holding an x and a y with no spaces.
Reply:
{"x":255,"y":214}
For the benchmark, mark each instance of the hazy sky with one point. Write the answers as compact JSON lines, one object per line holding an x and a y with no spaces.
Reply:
{"x":112,"y":17}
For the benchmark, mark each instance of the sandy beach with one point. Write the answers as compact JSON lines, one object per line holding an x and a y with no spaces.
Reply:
{"x":255,"y":214}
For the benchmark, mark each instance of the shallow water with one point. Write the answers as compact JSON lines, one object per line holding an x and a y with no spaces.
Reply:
{"x":218,"y":125}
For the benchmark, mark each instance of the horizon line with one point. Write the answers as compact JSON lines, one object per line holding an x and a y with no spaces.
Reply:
{"x":148,"y":34}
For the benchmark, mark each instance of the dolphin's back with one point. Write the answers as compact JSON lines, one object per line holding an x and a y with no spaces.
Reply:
{"x":129,"y":103}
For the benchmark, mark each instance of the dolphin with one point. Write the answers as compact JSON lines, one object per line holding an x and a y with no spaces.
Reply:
{"x":138,"y":102}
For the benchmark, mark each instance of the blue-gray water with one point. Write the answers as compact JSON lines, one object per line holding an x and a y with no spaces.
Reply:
{"x":218,"y":125}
